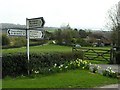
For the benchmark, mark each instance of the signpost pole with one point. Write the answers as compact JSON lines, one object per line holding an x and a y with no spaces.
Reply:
{"x":28,"y":57}
{"x":32,"y":23}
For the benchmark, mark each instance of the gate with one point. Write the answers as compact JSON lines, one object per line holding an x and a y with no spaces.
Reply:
{"x":94,"y":53}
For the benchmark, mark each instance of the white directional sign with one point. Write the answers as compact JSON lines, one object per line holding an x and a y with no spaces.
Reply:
{"x":34,"y":34}
{"x":16,"y":32}
{"x":35,"y":22}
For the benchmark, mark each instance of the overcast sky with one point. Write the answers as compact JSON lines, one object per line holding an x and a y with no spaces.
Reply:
{"x":89,"y":14}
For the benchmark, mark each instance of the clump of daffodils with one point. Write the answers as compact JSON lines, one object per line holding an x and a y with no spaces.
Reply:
{"x":109,"y":72}
{"x":95,"y":68}
{"x":36,"y":72}
{"x":78,"y":63}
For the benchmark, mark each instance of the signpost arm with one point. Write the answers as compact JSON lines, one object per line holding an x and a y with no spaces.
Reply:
{"x":28,"y":57}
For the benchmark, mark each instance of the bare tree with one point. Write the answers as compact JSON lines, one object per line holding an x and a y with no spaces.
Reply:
{"x":114,"y":23}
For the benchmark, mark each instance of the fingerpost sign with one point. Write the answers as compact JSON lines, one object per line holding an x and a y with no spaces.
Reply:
{"x":32,"y":23}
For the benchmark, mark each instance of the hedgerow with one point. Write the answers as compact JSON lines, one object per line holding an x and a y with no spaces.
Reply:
{"x":17,"y":64}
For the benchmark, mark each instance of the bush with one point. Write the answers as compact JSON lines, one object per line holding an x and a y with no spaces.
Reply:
{"x":19,"y":41}
{"x":5,"y":40}
{"x":16,"y":64}
{"x":82,"y":42}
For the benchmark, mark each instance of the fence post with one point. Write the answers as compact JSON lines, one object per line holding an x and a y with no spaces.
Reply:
{"x":111,"y":55}
{"x":117,"y":54}
{"x":114,"y":55}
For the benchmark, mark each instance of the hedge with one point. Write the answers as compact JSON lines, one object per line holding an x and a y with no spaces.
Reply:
{"x":18,"y":46}
{"x":17,"y":64}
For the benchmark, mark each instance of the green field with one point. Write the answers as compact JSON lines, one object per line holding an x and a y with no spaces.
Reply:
{"x":39,"y":49}
{"x":46,"y":48}
{"x":58,"y":48}
{"x":70,"y":79}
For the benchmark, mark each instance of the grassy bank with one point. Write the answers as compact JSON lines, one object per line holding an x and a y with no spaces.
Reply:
{"x":70,"y":79}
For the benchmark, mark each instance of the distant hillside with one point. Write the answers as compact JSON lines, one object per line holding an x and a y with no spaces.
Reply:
{"x":6,"y":26}
{"x":10,"y":25}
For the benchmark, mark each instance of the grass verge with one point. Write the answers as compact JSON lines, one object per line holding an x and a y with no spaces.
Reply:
{"x":69,"y":79}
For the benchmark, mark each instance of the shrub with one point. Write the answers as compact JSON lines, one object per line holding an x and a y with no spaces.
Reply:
{"x":19,"y":41}
{"x":82,"y":42}
{"x":5,"y":40}
{"x":14,"y":64}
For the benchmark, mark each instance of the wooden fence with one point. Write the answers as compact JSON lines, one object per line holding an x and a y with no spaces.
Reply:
{"x":95,"y":54}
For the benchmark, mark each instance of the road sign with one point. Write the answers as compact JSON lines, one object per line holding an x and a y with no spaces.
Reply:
{"x":35,"y":22}
{"x":36,"y":34}
{"x":16,"y":32}
{"x":31,"y":24}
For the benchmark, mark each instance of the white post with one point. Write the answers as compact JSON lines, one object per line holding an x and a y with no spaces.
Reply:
{"x":28,"y":57}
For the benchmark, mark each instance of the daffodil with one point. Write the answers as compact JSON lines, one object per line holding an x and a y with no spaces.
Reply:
{"x":66,"y":66}
{"x":61,"y":65}
{"x":83,"y":67}
{"x":55,"y":65}
{"x":36,"y":72}
{"x":112,"y":71}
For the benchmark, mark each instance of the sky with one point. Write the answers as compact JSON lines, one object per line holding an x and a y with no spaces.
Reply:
{"x":87,"y":14}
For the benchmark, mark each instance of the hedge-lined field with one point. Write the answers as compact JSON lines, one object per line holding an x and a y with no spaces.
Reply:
{"x":41,"y":57}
